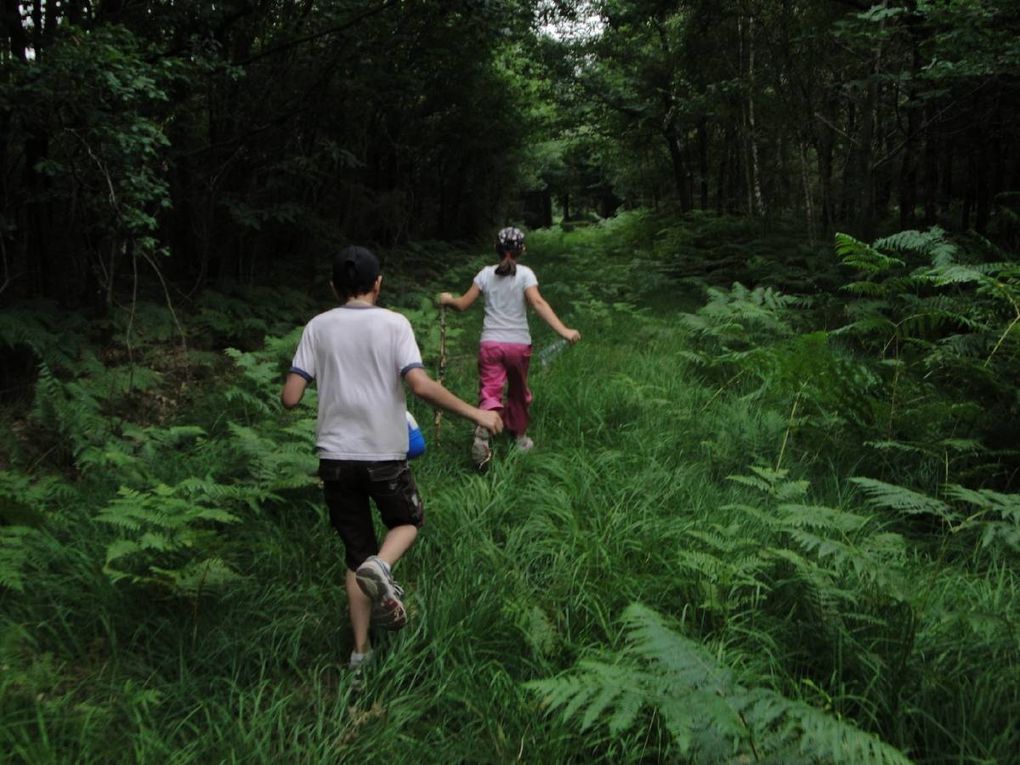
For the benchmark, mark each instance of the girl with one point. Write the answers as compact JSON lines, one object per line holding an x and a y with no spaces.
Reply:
{"x":505,"y":348}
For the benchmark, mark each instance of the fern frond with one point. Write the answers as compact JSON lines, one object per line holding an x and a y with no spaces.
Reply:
{"x":708,"y":713}
{"x":165,"y":531}
{"x":772,"y":482}
{"x":653,"y":640}
{"x":14,"y":555}
{"x":943,"y":276}
{"x":903,"y":500}
{"x":197,"y":576}
{"x":822,"y":518}
{"x":997,"y":517}
{"x":863,"y":257}
{"x":932,"y":243}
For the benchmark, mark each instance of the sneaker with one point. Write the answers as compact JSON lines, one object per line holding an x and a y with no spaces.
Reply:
{"x":358,"y":660}
{"x":378,"y":584}
{"x":481,"y":451}
{"x":524,"y":443}
{"x":357,"y":666}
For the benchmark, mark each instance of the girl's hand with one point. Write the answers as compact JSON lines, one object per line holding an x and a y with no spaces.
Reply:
{"x":445,"y":298}
{"x":571,"y":335}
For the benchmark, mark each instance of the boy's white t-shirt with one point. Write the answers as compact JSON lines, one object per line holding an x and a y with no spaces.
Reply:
{"x":358,"y":356}
{"x":506,"y":310}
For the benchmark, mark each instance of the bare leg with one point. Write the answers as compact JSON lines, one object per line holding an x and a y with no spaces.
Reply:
{"x":360,"y":608}
{"x":396,"y":543}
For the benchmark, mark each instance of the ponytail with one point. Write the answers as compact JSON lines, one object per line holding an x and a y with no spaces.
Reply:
{"x":509,"y":245}
{"x":507,"y":266}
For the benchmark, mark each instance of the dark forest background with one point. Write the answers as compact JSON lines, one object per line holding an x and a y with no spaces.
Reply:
{"x":232,"y":141}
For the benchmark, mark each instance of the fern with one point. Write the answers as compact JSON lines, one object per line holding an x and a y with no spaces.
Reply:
{"x":258,"y":375}
{"x":995,"y":516}
{"x":864,"y":257}
{"x":931,"y":243}
{"x":69,"y":412}
{"x":165,"y":534}
{"x":903,"y":500}
{"x":54,"y":336}
{"x":15,"y":554}
{"x":950,"y":317}
{"x":739,"y":315}
{"x":24,"y":499}
{"x":772,"y":482}
{"x":286,"y":461}
{"x":709,"y":714}
{"x":25,"y":544}
{"x":825,"y":545}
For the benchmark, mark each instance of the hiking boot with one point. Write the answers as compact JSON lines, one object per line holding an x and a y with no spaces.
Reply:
{"x":378,"y":584}
{"x":481,"y":450}
{"x":524,"y":443}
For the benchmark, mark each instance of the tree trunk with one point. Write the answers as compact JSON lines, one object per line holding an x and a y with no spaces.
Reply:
{"x":908,"y":167}
{"x":948,"y":179}
{"x":14,"y":30}
{"x":720,"y":188}
{"x":982,"y":183}
{"x":37,"y":29}
{"x":931,"y":176}
{"x":822,"y":135}
{"x":703,"y":161}
{"x":809,"y":207}
{"x":680,"y":180}
{"x":970,"y":194}
{"x":911,"y":148}
{"x":867,"y":202}
{"x":756,"y":201}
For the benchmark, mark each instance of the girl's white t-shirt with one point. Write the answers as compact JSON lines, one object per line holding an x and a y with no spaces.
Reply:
{"x":358,"y":357}
{"x":506,"y":310}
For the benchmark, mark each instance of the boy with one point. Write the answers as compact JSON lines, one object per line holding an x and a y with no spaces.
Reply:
{"x":358,"y":353}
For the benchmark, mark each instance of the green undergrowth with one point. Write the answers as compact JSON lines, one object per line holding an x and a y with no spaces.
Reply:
{"x":760,"y":524}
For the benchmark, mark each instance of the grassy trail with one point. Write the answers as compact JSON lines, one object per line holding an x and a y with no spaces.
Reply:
{"x":524,"y":572}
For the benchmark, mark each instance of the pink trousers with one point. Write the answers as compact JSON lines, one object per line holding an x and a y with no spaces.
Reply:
{"x":502,"y":364}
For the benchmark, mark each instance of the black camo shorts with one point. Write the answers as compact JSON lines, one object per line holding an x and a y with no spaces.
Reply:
{"x":348,"y":485}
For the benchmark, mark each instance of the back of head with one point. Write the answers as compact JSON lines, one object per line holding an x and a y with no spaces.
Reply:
{"x":355,"y":270}
{"x":509,"y":245}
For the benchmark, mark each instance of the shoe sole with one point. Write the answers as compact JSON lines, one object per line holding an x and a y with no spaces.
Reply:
{"x":372,"y":582}
{"x":481,"y":452}
{"x":388,"y":610}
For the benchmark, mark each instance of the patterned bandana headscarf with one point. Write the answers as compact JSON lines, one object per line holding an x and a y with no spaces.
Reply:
{"x":510,"y":239}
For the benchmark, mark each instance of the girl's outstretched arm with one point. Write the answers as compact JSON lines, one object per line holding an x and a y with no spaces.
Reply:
{"x":545,"y":310}
{"x":464,"y":301}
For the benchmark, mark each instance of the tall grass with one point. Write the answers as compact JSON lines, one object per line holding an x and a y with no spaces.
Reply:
{"x":655,"y":480}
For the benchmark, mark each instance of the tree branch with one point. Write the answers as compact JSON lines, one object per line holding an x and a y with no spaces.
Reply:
{"x":317,"y":35}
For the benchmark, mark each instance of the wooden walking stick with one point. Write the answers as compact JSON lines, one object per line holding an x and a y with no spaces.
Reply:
{"x":438,"y":418}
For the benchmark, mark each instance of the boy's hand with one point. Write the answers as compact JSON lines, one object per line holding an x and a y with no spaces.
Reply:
{"x":444,"y":298}
{"x":572,"y":336}
{"x":490,"y":420}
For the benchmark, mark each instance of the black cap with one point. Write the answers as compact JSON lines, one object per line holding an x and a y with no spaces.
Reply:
{"x":355,"y":270}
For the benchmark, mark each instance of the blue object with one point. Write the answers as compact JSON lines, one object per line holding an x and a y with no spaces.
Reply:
{"x":415,"y":439}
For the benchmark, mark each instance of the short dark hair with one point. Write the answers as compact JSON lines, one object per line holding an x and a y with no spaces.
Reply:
{"x":355,"y":270}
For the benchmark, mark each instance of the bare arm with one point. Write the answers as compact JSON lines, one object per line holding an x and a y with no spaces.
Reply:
{"x":293,"y":390}
{"x":548,"y":315}
{"x":430,"y":391}
{"x":464,"y":301}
